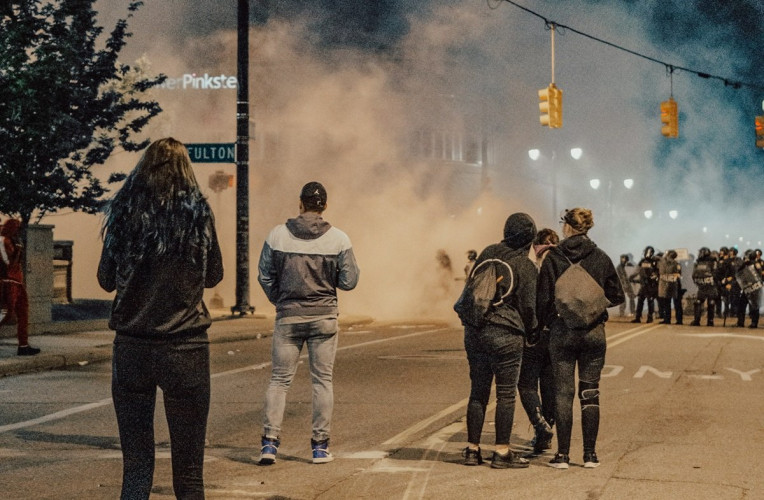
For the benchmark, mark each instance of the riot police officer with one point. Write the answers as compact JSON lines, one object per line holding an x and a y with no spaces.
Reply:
{"x":670,"y":288}
{"x":748,"y":277}
{"x":703,"y":274}
{"x":625,"y":277}
{"x":721,"y":266}
{"x":648,"y":279}
{"x":732,"y":292}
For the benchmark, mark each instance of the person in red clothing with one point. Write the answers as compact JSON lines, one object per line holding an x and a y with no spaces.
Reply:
{"x":13,"y":295}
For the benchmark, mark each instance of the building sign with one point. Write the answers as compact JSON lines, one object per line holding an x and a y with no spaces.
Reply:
{"x":192,"y":81}
{"x":212,"y":153}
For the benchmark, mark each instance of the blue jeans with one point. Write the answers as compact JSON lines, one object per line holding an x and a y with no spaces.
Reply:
{"x":182,"y":371}
{"x":321,"y":338}
{"x":585,"y":349}
{"x":493,"y":352}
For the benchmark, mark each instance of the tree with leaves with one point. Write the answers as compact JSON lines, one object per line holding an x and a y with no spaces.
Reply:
{"x":66,"y":103}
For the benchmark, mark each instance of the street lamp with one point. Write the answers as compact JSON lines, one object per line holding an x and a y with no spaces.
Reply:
{"x":534,"y":154}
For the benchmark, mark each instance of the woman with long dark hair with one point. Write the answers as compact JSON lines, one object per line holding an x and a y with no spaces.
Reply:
{"x":160,"y":251}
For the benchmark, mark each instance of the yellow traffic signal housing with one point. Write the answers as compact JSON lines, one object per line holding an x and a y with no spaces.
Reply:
{"x":760,"y":131}
{"x":550,"y":106}
{"x":670,"y":118}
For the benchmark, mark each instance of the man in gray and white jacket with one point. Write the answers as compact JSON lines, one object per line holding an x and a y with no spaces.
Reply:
{"x":302,"y":264}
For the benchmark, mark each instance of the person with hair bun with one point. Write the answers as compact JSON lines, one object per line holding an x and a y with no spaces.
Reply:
{"x":584,"y":348}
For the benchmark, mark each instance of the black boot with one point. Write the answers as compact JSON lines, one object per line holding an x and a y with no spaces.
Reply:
{"x":543,"y":438}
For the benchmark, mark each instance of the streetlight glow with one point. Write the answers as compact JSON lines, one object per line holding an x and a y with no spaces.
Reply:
{"x":534,"y":154}
{"x":594,"y":183}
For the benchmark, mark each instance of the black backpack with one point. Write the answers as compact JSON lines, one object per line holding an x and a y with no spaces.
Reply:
{"x":578,"y":298}
{"x":488,"y":285}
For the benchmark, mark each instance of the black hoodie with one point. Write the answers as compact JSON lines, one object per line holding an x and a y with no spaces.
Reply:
{"x":578,"y":248}
{"x":518,"y":310}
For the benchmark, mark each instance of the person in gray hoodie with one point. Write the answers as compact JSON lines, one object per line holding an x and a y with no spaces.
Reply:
{"x":495,"y":349}
{"x":302,"y":264}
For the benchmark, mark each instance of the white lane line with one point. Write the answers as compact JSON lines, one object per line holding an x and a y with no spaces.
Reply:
{"x":729,"y":335}
{"x":107,"y":401}
{"x":632,"y":330}
{"x":629,"y":337}
{"x":403,"y":436}
{"x":417,"y":487}
{"x":55,"y":416}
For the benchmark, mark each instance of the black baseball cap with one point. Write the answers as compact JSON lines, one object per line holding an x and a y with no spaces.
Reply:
{"x":313,"y":195}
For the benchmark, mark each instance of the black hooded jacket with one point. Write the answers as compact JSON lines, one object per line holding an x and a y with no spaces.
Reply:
{"x":578,"y":248}
{"x":518,"y":312}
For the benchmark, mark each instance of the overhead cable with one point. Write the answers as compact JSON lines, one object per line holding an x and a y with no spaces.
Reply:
{"x":669,"y":66}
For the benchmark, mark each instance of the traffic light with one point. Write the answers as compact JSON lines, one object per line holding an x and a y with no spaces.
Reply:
{"x":760,"y":131}
{"x":670,"y":118}
{"x":550,"y":106}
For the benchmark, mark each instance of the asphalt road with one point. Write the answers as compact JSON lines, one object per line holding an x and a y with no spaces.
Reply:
{"x":681,"y":418}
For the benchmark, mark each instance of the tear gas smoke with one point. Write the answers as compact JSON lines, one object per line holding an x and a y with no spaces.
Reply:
{"x":345,"y":115}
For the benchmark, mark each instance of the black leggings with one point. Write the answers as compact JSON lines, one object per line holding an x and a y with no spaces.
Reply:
{"x":182,"y":371}
{"x":585,"y":349}
{"x":536,"y":374}
{"x":493,"y":352}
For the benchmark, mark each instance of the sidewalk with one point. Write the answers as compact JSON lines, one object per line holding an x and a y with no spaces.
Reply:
{"x":80,"y":342}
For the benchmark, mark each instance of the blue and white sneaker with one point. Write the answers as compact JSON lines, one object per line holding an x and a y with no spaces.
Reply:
{"x":321,"y":453}
{"x":269,"y":450}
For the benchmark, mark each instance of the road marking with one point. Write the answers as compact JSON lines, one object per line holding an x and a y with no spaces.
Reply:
{"x":342,"y":348}
{"x":645,"y":369}
{"x":623,"y":337}
{"x":403,"y":436}
{"x":363,"y":455}
{"x":107,"y":401}
{"x":728,"y":335}
{"x":55,"y":416}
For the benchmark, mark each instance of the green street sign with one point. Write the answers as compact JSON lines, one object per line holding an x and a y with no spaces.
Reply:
{"x":212,"y":153}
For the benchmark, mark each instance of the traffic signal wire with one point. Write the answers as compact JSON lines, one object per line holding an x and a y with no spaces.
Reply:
{"x":669,"y":66}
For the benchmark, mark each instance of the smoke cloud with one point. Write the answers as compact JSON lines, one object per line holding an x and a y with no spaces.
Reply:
{"x":339,"y":93}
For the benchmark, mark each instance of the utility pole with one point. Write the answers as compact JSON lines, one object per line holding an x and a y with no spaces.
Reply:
{"x":242,"y":306}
